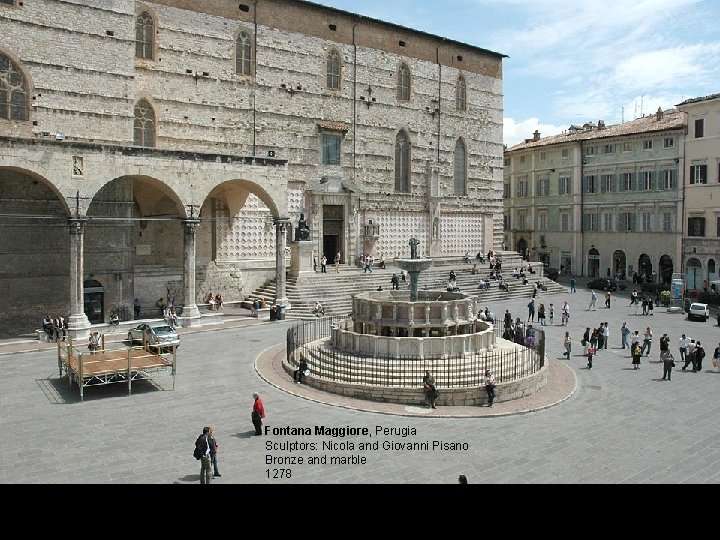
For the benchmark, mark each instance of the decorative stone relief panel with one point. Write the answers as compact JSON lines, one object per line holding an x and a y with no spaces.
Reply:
{"x":248,"y":235}
{"x":296,"y":201}
{"x":460,"y":233}
{"x":396,"y":229}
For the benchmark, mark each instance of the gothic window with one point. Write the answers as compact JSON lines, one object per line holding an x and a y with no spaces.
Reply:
{"x":460,"y":169}
{"x":145,"y":124}
{"x":144,"y":36}
{"x":461,"y":94}
{"x":243,"y":54}
{"x":403,"y":88}
{"x":402,"y":163}
{"x":334,"y":70}
{"x":13,"y":91}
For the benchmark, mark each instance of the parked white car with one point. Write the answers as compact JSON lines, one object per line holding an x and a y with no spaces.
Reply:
{"x":158,"y":335}
{"x":698,"y":312}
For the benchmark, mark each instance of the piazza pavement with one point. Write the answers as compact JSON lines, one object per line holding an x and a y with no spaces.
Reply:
{"x":608,"y":425}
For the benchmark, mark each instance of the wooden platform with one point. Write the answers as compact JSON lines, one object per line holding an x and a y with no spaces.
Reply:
{"x":110,"y":366}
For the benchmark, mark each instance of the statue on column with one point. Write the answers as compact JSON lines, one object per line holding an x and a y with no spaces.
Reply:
{"x":302,"y":231}
{"x":413,"y":248}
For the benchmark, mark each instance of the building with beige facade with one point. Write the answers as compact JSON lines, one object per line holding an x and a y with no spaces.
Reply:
{"x":701,"y":242}
{"x":600,"y":200}
{"x":166,"y":149}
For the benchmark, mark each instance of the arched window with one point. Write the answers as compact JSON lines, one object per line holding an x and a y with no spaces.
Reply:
{"x":402,"y":163}
{"x":403,"y":89}
{"x":460,"y":169}
{"x":144,"y":134}
{"x":334,"y":70}
{"x":144,"y":36}
{"x":13,"y":91}
{"x":461,"y":94}
{"x":243,"y":54}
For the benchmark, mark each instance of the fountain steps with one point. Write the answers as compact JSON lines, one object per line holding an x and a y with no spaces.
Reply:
{"x":335,"y":290}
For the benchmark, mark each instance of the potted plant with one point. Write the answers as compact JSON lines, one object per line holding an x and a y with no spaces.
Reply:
{"x":665,"y":297}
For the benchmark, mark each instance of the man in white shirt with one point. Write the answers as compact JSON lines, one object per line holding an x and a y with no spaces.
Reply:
{"x":565,"y":313}
{"x":682,"y":346}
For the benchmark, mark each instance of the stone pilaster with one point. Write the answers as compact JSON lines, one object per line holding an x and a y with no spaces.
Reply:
{"x":281,"y":226}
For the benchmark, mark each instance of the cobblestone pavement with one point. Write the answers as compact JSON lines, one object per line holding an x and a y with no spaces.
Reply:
{"x":611,"y":424}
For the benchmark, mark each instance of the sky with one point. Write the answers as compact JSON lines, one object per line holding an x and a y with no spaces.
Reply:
{"x":576,"y":61}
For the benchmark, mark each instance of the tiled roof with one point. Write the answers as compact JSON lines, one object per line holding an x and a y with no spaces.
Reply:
{"x":671,"y":119}
{"x":699,"y":99}
{"x":334,"y":126}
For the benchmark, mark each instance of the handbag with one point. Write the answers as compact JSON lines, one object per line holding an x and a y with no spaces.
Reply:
{"x":672,"y":364}
{"x":714,"y":363}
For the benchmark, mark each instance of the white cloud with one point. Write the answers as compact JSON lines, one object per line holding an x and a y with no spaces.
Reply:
{"x":665,"y":67}
{"x":515,"y":132}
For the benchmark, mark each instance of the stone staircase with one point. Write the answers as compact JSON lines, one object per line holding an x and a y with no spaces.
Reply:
{"x":335,"y":290}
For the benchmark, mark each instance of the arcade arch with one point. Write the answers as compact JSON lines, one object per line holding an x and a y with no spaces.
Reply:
{"x":666,"y":269}
{"x":135,"y":234}
{"x":620,"y":264}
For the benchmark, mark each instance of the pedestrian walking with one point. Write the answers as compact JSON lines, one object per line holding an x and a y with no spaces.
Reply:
{"x":337,"y":262}
{"x":699,"y":355}
{"x":634,"y":298}
{"x":624,"y":333}
{"x":590,"y":352}
{"x":647,"y":341}
{"x":531,"y":310}
{"x":607,"y":299}
{"x":565,"y":313}
{"x":572,"y":284}
{"x":716,"y":359}
{"x":664,"y":345}
{"x":650,"y":306}
{"x":202,"y":449}
{"x":682,"y":346}
{"x":213,"y":453}
{"x":585,"y":341}
{"x":606,"y":335}
{"x":593,"y":301}
{"x":689,"y":355}
{"x":395,"y":282}
{"x":551,"y":314}
{"x":568,"y":345}
{"x":258,"y":413}
{"x":636,"y":353}
{"x":668,"y":363}
{"x":541,"y":314}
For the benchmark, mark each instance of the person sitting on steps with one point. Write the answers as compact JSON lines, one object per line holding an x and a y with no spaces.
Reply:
{"x":302,"y":370}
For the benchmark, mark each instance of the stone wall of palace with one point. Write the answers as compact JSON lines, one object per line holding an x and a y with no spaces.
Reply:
{"x":78,"y":59}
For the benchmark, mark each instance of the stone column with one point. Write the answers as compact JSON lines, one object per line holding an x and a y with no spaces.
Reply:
{"x":78,"y":322}
{"x":190,"y":311}
{"x":281,"y":225}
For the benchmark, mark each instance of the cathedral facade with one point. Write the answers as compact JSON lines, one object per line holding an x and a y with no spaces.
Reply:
{"x":166,"y":149}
